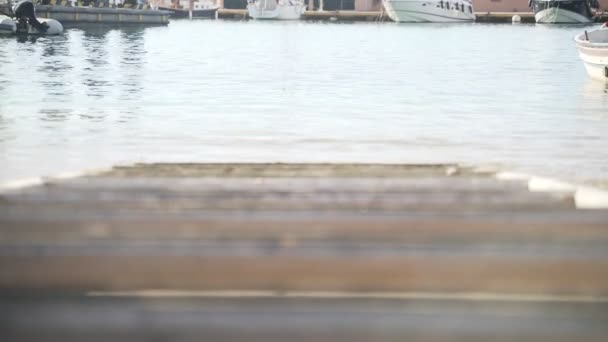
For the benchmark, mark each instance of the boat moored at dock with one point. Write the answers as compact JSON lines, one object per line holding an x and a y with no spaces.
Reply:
{"x":200,"y":9}
{"x":25,"y":22}
{"x":593,"y":50}
{"x":430,"y":11}
{"x":563,"y":11}
{"x":7,"y":25}
{"x":279,"y":10}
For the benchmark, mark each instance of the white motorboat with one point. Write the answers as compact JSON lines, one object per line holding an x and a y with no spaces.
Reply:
{"x":593,"y":50}
{"x":273,"y":9}
{"x":25,"y":22}
{"x":435,"y":11}
{"x":563,"y":11}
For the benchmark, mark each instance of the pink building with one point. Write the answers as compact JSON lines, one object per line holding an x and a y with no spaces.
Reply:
{"x":368,"y":5}
{"x":478,"y":5}
{"x":376,"y":5}
{"x":501,"y":6}
{"x":512,"y":5}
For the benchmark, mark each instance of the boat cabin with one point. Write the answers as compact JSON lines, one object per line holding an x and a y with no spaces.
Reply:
{"x":577,"y":6}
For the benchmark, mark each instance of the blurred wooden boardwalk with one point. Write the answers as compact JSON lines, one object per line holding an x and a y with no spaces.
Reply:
{"x":266,"y":252}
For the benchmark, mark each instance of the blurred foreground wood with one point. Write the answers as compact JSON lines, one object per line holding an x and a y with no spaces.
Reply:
{"x":300,"y":251}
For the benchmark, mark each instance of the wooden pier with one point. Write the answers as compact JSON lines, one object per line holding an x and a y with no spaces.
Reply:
{"x":324,"y":252}
{"x":95,"y":15}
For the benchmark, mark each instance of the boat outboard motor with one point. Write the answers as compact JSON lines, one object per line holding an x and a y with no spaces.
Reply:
{"x":25,"y":13}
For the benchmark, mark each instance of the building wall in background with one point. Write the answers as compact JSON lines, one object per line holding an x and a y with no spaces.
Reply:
{"x":512,"y":5}
{"x":376,"y":5}
{"x":501,"y":6}
{"x":368,"y":5}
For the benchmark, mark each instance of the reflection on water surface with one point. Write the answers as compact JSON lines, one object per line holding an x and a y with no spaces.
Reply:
{"x":254,"y":91}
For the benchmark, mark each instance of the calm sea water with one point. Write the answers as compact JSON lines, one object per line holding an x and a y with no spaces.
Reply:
{"x":515,"y":96}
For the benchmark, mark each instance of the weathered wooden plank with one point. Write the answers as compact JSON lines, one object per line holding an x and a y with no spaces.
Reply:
{"x":419,"y":273}
{"x":302,"y":248}
{"x":413,"y":227}
{"x":284,"y":184}
{"x":283,"y":170}
{"x":121,"y":201}
{"x":253,"y":319}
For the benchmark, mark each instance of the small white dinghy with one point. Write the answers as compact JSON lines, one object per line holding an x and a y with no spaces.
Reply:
{"x":593,"y":50}
{"x":273,"y":9}
{"x":25,"y":22}
{"x":7,"y":25}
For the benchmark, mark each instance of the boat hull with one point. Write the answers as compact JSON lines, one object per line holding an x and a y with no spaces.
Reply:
{"x":427,"y":12}
{"x":198,"y":13}
{"x":281,"y":12}
{"x":7,"y":26}
{"x":560,"y":16}
{"x":594,"y":55}
{"x":597,"y":71}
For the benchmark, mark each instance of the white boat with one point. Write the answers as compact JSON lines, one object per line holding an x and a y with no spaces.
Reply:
{"x":7,"y":25}
{"x":273,"y":9}
{"x":430,"y":11}
{"x":593,"y":50}
{"x":200,"y":9}
{"x":563,"y":11}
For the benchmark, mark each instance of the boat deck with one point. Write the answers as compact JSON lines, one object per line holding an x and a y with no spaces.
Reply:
{"x":269,"y":252}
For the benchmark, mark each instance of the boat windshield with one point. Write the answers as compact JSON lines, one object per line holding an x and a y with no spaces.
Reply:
{"x":268,"y":5}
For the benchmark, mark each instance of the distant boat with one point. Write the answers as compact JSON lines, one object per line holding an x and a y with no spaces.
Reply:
{"x":271,"y":9}
{"x":200,"y":9}
{"x":436,"y":11}
{"x":593,"y":50}
{"x":563,"y":11}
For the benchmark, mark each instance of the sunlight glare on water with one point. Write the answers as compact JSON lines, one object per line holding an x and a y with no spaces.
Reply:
{"x":516,"y":96}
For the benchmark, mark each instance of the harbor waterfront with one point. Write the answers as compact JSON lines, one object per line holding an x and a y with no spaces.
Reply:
{"x":304,"y":180}
{"x":124,"y":16}
{"x":513,"y":95}
{"x":483,"y":17}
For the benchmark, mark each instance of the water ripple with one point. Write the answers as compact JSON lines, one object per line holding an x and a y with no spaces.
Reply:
{"x":268,"y":91}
